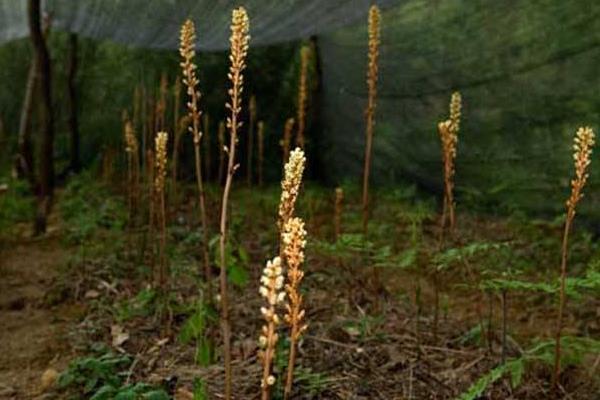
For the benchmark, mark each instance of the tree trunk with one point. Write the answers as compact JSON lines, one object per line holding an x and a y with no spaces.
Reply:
{"x":46,"y":172}
{"x":75,"y":164}
{"x":24,"y":158}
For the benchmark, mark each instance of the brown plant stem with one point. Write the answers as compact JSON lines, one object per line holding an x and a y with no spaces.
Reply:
{"x":372,"y":75}
{"x":176,"y":137}
{"x":239,"y":49}
{"x":187,"y":52}
{"x":287,"y":139}
{"x":261,"y":150}
{"x":221,"y":138}
{"x":583,"y":143}
{"x":206,"y":144}
{"x":302,"y":96}
{"x":151,"y":209}
{"x":250,"y":140}
{"x":294,"y":241}
{"x":337,"y":210}
{"x":562,"y":296}
{"x":504,"y":324}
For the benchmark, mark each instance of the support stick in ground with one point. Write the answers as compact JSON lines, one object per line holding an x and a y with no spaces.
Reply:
{"x":584,"y":141}
{"x":239,"y":40}
{"x":187,"y":52}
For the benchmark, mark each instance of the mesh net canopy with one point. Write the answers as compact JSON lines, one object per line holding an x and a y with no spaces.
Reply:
{"x":156,"y":23}
{"x":527,"y":71}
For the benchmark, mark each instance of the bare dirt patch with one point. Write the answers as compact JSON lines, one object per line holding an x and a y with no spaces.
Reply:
{"x":33,"y":333}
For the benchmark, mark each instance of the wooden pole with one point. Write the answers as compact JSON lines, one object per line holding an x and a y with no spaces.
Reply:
{"x":46,"y":190}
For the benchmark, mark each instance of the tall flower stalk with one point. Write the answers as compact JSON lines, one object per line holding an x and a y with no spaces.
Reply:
{"x":250,"y":139}
{"x":287,"y":139}
{"x":206,"y":144}
{"x":159,"y":188}
{"x":131,"y":149}
{"x":448,"y":131}
{"x":187,"y":52}
{"x":582,"y":150}
{"x":221,"y":139}
{"x":239,"y":40}
{"x":161,"y":104}
{"x":260,"y":132}
{"x":302,"y":96}
{"x":337,"y":212}
{"x":372,"y":76}
{"x":294,"y":242}
{"x":176,"y":135}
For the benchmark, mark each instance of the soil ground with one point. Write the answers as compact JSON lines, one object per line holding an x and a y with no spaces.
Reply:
{"x":33,"y":333}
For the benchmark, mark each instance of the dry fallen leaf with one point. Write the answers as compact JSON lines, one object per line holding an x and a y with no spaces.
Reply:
{"x":119,"y":336}
{"x":183,"y":394}
{"x":48,"y":379}
{"x":92,"y":294}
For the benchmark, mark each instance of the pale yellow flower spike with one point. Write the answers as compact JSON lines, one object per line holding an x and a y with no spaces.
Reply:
{"x":160,"y":161}
{"x":294,"y":242}
{"x":272,"y":291}
{"x":290,"y":185}
{"x":582,"y":150}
